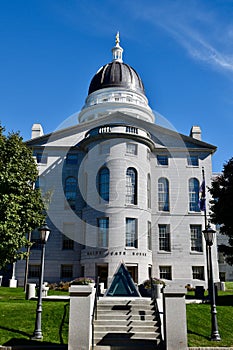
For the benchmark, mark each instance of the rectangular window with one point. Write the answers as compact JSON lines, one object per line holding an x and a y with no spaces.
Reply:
{"x":164,"y":238}
{"x":193,"y":160}
{"x":132,"y":149}
{"x":33,"y":271}
{"x":196,"y":238}
{"x":162,"y":159}
{"x":36,"y":240}
{"x":149,"y":237}
{"x":131,"y":233}
{"x":72,"y":158}
{"x":165,"y":272}
{"x":198,"y":272}
{"x":41,"y":157}
{"x":67,"y":243}
{"x":103,"y":228}
{"x":67,"y":271}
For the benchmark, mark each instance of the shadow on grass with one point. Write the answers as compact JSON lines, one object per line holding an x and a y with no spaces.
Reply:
{"x":224,"y":300}
{"x":63,"y":321}
{"x":34,"y":343}
{"x":198,"y":334}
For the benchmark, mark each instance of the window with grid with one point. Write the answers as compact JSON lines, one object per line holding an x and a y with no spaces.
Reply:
{"x":164,"y":238}
{"x":103,"y":228}
{"x":131,"y":186}
{"x":33,"y":271}
{"x":193,"y":160}
{"x":163,"y":194}
{"x":132,"y":149}
{"x":71,"y":190}
{"x":103,"y":183}
{"x":68,"y":233}
{"x":162,"y":159}
{"x":198,"y":272}
{"x":194,"y":195}
{"x":196,"y":238}
{"x":149,"y":237}
{"x":165,"y":272}
{"x":131,"y":233}
{"x":67,"y":271}
{"x":72,"y":158}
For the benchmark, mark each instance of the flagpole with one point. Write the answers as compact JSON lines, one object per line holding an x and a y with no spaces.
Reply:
{"x":206,"y":225}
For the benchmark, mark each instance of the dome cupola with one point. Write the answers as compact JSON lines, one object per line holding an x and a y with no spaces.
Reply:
{"x":116,"y":87}
{"x":116,"y":74}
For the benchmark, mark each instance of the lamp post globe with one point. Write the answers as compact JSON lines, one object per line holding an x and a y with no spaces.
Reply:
{"x":44,"y":232}
{"x":209,"y":238}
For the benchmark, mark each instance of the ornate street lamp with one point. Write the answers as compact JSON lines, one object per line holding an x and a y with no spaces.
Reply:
{"x":209,"y":238}
{"x":44,"y":233}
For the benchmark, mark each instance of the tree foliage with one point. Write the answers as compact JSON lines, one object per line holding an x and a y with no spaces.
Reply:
{"x":222,"y":206}
{"x":21,"y":205}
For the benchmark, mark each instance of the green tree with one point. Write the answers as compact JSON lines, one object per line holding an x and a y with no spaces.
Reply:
{"x":21,"y":205}
{"x":222,"y":207}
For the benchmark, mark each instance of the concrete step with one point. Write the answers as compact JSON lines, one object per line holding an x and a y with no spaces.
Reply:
{"x":126,"y":328}
{"x":128,"y":317}
{"x":123,"y":322}
{"x":117,"y":336}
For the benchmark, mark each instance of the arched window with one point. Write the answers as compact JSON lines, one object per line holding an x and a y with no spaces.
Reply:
{"x":131,"y":186}
{"x":103,"y":183}
{"x":163,"y":194}
{"x":194,"y":194}
{"x":148,"y":191}
{"x":71,"y":190}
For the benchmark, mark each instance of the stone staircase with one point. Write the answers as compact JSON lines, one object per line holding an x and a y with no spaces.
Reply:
{"x":125,"y":323}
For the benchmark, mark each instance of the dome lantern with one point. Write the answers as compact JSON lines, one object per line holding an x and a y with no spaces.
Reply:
{"x":117,"y":50}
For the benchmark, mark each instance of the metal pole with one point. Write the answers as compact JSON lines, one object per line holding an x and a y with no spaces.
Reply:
{"x":26,"y":264}
{"x":214,"y":323}
{"x":37,"y":335}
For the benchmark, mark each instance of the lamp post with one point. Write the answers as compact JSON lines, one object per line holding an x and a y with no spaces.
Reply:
{"x":44,"y":232}
{"x":209,"y":238}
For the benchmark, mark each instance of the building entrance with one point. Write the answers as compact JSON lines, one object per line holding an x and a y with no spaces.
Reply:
{"x":133,"y":270}
{"x":102,"y":273}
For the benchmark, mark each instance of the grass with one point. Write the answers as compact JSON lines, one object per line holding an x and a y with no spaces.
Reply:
{"x":17,"y":319}
{"x":199,"y":320}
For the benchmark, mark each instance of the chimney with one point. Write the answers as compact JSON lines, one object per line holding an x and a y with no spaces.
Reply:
{"x":195,"y":132}
{"x":37,"y":131}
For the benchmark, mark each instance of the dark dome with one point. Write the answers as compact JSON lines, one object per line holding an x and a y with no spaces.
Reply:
{"x":116,"y":74}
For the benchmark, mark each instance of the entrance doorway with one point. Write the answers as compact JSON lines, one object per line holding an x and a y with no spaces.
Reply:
{"x":102,"y":273}
{"x":133,"y":270}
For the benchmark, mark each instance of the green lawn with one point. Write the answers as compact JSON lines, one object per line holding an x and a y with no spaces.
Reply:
{"x":17,"y":319}
{"x":199,"y":321}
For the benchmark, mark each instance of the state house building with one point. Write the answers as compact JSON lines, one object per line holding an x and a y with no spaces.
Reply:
{"x":121,"y":189}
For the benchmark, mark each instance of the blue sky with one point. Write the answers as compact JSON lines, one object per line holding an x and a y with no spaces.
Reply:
{"x":182,"y":49}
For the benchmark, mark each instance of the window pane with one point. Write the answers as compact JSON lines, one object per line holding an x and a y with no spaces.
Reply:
{"x":131,"y":186}
{"x":36,"y":240}
{"x":71,"y":191}
{"x":196,"y":238}
{"x":198,"y":272}
{"x":165,"y":272}
{"x":162,"y":159}
{"x":103,"y":183}
{"x":72,"y":158}
{"x":131,"y":233}
{"x":192,"y":160}
{"x":148,"y":191}
{"x":149,"y":238}
{"x":33,"y":271}
{"x":131,"y":148}
{"x":164,"y":238}
{"x":194,"y":195}
{"x":163,"y":194}
{"x":103,"y":228}
{"x":41,"y":158}
{"x":67,"y":271}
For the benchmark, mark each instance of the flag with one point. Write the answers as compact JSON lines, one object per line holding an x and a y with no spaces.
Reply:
{"x":202,"y":196}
